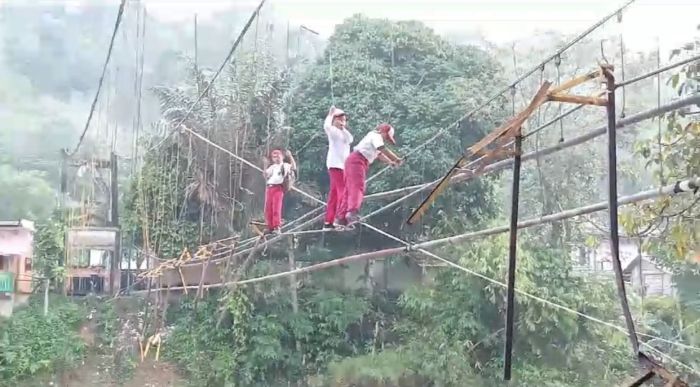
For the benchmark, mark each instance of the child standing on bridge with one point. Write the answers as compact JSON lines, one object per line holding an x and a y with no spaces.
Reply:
{"x":339,"y":140}
{"x":357,"y":164}
{"x":278,"y":174}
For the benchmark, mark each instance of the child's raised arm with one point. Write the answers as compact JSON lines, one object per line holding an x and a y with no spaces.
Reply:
{"x":266,"y":164}
{"x":329,"y":119}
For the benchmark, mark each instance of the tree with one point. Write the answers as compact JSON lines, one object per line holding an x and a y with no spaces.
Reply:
{"x":456,"y":323}
{"x":404,"y":74}
{"x":25,"y":194}
{"x":674,"y":154}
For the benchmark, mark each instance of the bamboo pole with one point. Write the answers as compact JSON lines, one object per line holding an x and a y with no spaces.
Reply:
{"x":687,"y":185}
{"x":495,"y":167}
{"x":292,"y":278}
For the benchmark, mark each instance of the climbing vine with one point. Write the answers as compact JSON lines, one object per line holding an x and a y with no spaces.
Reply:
{"x":159,"y":213}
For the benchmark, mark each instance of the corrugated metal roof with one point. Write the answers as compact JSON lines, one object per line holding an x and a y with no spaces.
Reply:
{"x":28,"y":224}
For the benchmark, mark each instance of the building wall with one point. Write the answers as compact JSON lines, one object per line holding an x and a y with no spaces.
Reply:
{"x":600,"y":259}
{"x":89,"y":252}
{"x":7,"y":304}
{"x":18,"y":243}
{"x":653,"y":281}
{"x":86,"y":272}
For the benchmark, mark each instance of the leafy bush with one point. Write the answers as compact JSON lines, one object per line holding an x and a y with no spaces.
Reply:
{"x":31,"y":343}
{"x":265,"y":343}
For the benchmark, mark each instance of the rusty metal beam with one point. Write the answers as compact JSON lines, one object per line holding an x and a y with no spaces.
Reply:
{"x":659,"y":370}
{"x":612,"y":210}
{"x":512,"y":254}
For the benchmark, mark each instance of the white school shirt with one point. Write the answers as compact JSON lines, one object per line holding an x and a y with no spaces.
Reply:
{"x":369,"y":146}
{"x":339,"y":141}
{"x":276,"y":172}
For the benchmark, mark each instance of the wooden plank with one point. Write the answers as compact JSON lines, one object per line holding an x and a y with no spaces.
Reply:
{"x":182,"y":278}
{"x":647,"y":376}
{"x":578,"y":99}
{"x":256,"y":226}
{"x":658,"y":369}
{"x":576,"y":81}
{"x":439,"y":188}
{"x":515,"y":122}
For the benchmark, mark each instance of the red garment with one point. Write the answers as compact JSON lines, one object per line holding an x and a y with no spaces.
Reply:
{"x":274,"y":196}
{"x":356,"y":167}
{"x":335,"y":193}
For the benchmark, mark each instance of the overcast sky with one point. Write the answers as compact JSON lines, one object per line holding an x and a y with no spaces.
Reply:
{"x":673,"y":21}
{"x":499,"y":21}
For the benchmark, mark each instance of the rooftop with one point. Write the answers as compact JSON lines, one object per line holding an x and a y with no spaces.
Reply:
{"x":20,"y":223}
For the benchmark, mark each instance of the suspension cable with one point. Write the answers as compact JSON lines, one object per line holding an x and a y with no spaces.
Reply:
{"x":120,"y":12}
{"x":557,"y":64}
{"x":622,"y":65}
{"x":507,"y":88}
{"x":216,"y":75}
{"x":658,"y":103}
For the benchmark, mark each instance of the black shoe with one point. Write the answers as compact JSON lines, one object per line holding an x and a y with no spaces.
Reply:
{"x":328,"y":227}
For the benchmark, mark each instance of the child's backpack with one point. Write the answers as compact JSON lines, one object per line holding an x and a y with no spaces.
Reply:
{"x":288,"y":181}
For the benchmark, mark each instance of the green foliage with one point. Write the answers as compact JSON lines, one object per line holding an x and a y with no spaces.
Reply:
{"x":688,"y":284}
{"x":211,"y":356}
{"x":31,"y":343}
{"x":404,"y":74}
{"x":26,"y":194}
{"x":265,"y":343}
{"x":158,"y":210}
{"x":668,"y":318}
{"x":49,"y":249}
{"x":674,"y":154}
{"x":116,"y":329}
{"x":391,"y":368}
{"x":440,"y":331}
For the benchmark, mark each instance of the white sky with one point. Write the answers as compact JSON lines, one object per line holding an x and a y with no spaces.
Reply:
{"x":673,"y":21}
{"x":500,"y":21}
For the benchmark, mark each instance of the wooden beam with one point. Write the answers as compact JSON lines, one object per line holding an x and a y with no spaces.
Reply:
{"x":658,"y":369}
{"x":647,"y":376}
{"x":578,"y":99}
{"x":576,"y":81}
{"x":256,"y":226}
{"x":515,"y":122}
{"x":566,"y":214}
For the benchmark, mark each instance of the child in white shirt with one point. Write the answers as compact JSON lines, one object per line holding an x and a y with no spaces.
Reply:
{"x":339,"y":140}
{"x":357,"y":164}
{"x":275,"y":171}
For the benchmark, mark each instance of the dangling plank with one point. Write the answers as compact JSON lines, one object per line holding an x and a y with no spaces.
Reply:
{"x":478,"y":148}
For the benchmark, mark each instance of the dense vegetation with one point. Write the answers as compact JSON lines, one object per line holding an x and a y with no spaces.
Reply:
{"x":31,"y":343}
{"x":384,"y":323}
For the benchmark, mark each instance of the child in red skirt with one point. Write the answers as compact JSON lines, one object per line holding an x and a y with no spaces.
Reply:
{"x":357,"y":164}
{"x":339,"y":140}
{"x":275,"y":171}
